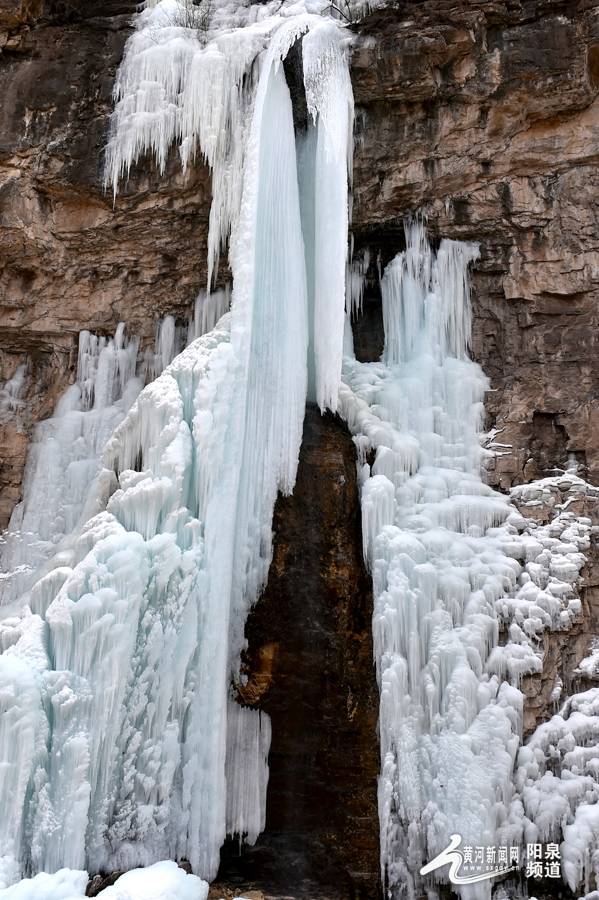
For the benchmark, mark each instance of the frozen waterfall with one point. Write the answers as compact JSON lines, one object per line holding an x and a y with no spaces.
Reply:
{"x":120,"y":739}
{"x":65,"y":454}
{"x":145,"y":531}
{"x":449,"y":729}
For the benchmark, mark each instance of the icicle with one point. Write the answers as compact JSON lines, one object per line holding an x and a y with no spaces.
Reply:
{"x":169,"y":341}
{"x":248,"y":743}
{"x":330,"y":103}
{"x":355,"y":283}
{"x":171,"y":89}
{"x":208,"y":309}
{"x":447,"y":745}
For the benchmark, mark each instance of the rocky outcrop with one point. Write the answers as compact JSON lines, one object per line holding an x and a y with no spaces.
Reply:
{"x":485,"y":115}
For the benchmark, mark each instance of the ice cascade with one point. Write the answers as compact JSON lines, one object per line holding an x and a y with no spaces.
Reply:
{"x":432,"y":530}
{"x":64,"y":456}
{"x":121,"y":743}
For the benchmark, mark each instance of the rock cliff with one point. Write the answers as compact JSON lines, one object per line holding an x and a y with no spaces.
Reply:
{"x":486,"y":116}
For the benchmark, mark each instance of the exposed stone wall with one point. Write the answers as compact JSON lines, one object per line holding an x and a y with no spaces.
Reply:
{"x":485,"y":114}
{"x":310,"y":667}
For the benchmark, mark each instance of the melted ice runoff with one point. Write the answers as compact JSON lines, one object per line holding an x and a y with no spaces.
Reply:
{"x":145,"y":531}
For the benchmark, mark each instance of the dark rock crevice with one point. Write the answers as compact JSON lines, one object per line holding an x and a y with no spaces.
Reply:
{"x":310,"y":652}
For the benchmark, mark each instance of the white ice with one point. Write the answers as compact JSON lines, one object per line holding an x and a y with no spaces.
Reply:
{"x":10,"y":392}
{"x":64,"y":455}
{"x":451,"y":561}
{"x":124,"y":647}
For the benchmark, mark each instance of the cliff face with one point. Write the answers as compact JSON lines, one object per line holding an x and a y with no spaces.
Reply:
{"x":310,"y":667}
{"x":484,"y":115}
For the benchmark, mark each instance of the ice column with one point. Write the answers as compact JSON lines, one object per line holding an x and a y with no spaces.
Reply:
{"x":325,"y":164}
{"x":449,"y":731}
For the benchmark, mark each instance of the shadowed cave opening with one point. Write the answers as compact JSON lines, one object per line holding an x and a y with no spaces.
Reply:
{"x":310,"y":667}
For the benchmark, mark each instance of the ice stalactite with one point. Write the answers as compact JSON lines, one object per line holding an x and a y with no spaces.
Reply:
{"x":449,"y":731}
{"x":125,"y":647}
{"x":64,"y":457}
{"x":327,"y":158}
{"x":451,"y":561}
{"x":357,"y":270}
{"x":208,"y":309}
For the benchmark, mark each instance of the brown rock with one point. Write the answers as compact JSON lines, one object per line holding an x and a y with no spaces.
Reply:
{"x":485,"y":116}
{"x":321,"y":836}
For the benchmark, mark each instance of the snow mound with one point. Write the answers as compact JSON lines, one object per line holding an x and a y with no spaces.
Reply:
{"x":162,"y":881}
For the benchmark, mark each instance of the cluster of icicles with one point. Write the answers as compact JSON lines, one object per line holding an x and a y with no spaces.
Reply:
{"x":120,"y":742}
{"x":119,"y":739}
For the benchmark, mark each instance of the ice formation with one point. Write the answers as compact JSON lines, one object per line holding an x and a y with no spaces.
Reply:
{"x":357,"y":270}
{"x":64,"y":457}
{"x":118,"y":657}
{"x":208,"y":309}
{"x":10,"y":392}
{"x":557,"y":769}
{"x":449,"y":731}
{"x":452,"y":561}
{"x":146,"y":527}
{"x":125,"y":639}
{"x":558,"y":786}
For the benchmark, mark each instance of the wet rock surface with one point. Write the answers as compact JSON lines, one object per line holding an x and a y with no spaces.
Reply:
{"x":321,"y":837}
